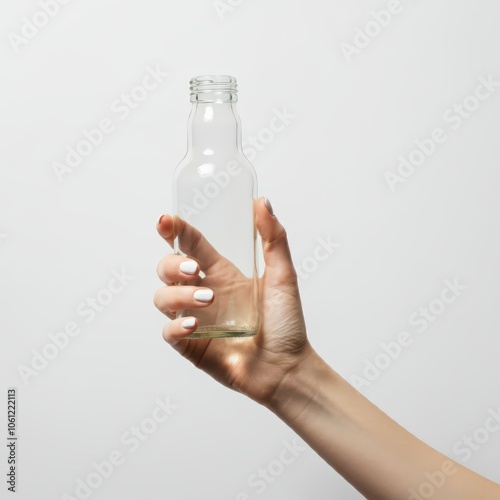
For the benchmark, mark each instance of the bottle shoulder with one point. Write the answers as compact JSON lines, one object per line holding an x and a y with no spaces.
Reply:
{"x":204,"y":164}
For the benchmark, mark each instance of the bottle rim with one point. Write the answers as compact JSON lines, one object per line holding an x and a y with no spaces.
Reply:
{"x":213,"y":88}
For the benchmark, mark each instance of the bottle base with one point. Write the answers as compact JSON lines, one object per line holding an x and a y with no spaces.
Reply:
{"x":222,"y":331}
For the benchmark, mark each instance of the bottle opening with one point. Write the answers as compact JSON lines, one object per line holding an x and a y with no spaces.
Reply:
{"x":213,"y":88}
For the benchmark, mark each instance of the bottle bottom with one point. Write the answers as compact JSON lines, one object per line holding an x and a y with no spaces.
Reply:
{"x":222,"y":331}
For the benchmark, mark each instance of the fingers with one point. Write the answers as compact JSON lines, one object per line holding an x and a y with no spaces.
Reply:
{"x":165,"y":228}
{"x":178,"y":329}
{"x":191,"y":241}
{"x":274,"y":241}
{"x":176,"y":268}
{"x":170,"y":299}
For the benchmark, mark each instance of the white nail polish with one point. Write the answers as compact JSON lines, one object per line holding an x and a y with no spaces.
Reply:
{"x":203,"y":295}
{"x":189,"y":323}
{"x":188,"y":266}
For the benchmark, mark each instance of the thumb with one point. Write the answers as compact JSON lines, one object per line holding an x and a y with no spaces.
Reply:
{"x":274,"y":241}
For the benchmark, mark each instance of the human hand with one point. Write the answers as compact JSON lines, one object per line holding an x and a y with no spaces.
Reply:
{"x":256,"y":365}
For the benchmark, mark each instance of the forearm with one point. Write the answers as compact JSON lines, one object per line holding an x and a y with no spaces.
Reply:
{"x":376,"y":455}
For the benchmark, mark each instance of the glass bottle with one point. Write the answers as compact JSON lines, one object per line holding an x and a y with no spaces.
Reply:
{"x":215,"y":188}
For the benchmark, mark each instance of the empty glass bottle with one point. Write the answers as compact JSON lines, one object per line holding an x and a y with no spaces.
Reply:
{"x":215,"y":187}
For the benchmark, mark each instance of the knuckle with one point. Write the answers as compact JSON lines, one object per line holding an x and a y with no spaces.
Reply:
{"x":166,"y":332}
{"x":159,"y":270}
{"x":157,"y":298}
{"x":280,"y":238}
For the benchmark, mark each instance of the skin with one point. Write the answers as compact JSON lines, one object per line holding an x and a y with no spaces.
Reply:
{"x":278,"y":368}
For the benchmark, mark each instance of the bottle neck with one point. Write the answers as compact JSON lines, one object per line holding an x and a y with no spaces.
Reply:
{"x":214,"y":127}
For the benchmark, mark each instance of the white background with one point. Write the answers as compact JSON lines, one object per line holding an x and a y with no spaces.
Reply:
{"x":60,"y":241}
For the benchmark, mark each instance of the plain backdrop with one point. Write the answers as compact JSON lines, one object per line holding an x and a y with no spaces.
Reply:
{"x":325,"y":173}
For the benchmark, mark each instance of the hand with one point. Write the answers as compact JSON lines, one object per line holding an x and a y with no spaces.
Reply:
{"x":256,"y":365}
{"x":279,"y":369}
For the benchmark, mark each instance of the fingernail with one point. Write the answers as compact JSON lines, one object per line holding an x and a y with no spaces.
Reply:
{"x":188,"y":266}
{"x":203,"y":295}
{"x":269,"y":206}
{"x":159,"y":220}
{"x":189,"y":323}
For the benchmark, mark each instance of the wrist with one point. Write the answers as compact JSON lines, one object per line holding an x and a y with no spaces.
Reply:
{"x":299,"y":389}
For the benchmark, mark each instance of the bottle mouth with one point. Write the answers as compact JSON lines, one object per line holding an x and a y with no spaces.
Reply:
{"x":213,"y":88}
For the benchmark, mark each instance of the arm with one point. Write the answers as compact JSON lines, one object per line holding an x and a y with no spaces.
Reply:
{"x":279,"y":369}
{"x":375,"y":454}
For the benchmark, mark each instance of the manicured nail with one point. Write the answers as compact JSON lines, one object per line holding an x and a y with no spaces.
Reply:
{"x":269,"y":206}
{"x":203,"y":295}
{"x":188,"y":266}
{"x":159,"y":220}
{"x":189,"y":323}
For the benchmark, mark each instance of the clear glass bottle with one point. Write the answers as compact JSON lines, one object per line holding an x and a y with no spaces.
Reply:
{"x":215,"y":188}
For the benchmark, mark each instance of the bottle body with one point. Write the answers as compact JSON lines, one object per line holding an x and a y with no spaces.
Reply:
{"x":214,"y":191}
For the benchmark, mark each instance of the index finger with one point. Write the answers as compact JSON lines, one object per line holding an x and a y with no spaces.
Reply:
{"x":191,"y":241}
